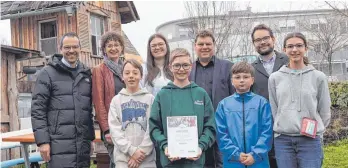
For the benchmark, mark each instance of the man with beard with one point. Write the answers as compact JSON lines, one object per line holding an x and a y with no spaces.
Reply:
{"x":268,"y":62}
{"x":61,"y":110}
{"x":213,"y":75}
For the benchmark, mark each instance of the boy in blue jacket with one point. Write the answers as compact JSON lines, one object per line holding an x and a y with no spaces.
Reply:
{"x":244,"y":123}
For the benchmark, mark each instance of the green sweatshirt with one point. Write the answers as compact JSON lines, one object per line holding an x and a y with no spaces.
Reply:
{"x":190,"y":100}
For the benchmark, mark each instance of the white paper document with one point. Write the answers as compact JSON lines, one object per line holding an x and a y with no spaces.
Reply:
{"x":182,"y":136}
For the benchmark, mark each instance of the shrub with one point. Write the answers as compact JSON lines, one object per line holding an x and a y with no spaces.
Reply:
{"x":338,"y":128}
{"x":339,"y":94}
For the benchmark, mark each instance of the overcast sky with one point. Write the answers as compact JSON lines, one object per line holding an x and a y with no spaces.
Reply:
{"x":154,"y":13}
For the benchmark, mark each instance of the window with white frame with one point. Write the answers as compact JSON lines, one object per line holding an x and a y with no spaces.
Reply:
{"x":183,"y":32}
{"x":170,"y":36}
{"x":287,"y":25}
{"x":48,"y":37}
{"x":97,"y":30}
{"x":318,"y":24}
{"x":344,"y":27}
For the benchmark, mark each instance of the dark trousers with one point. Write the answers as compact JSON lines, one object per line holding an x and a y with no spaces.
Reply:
{"x":110,"y":149}
{"x":213,"y":157}
{"x":158,"y":159}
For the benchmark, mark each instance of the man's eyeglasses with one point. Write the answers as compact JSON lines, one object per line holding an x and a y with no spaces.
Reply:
{"x":202,"y":44}
{"x":68,"y":48}
{"x":265,"y":39}
{"x":291,"y":47}
{"x":184,"y":66}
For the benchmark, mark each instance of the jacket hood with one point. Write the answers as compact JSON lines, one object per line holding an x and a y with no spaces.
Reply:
{"x":56,"y":62}
{"x":286,"y":69}
{"x":172,"y":86}
{"x":245,"y":96}
{"x":125,"y":92}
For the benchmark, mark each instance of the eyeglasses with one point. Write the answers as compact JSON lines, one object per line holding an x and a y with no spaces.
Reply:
{"x":155,"y":45}
{"x":68,"y":48}
{"x":112,"y":45}
{"x":184,"y":66}
{"x":202,"y":44}
{"x":265,"y":39}
{"x":291,"y":47}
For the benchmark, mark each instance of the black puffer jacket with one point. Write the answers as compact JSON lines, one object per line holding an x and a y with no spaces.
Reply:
{"x":61,"y":114}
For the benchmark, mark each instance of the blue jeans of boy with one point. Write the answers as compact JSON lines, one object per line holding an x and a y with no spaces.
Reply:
{"x":298,"y":152}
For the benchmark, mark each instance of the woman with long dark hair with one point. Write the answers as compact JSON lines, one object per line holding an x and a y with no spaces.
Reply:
{"x":157,"y":72}
{"x":300,"y":103}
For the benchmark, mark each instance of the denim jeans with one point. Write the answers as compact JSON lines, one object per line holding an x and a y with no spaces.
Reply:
{"x":298,"y":152}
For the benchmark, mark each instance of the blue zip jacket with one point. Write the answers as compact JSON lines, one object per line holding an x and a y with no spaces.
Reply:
{"x":244,"y":124}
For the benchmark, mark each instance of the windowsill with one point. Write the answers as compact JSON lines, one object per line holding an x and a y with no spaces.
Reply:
{"x":96,"y":56}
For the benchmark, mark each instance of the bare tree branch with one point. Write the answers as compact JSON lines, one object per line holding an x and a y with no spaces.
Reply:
{"x":221,"y":18}
{"x":326,"y":35}
{"x":343,"y":12}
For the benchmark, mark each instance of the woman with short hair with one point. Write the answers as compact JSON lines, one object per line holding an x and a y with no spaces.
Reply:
{"x":107,"y":82}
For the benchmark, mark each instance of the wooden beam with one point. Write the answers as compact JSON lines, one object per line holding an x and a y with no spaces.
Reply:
{"x":124,"y":9}
{"x":5,"y":118}
{"x":13,"y":99}
{"x":12,"y":93}
{"x":4,"y":96}
{"x":131,"y":10}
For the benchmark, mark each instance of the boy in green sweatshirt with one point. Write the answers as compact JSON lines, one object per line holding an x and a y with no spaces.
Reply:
{"x":182,"y":98}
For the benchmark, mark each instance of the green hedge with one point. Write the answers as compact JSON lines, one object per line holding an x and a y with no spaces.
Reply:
{"x":339,"y":94}
{"x":338,"y":128}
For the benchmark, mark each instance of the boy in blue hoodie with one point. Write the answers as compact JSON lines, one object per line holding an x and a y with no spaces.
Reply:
{"x":244,"y":123}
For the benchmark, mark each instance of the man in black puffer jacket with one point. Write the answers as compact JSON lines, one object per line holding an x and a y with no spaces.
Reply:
{"x":61,"y":110}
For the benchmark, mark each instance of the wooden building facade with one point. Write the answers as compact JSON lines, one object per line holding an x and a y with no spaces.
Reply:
{"x":40,"y":25}
{"x":10,"y":89}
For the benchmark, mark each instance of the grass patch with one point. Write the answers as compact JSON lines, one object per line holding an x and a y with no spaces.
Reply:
{"x":44,"y":165}
{"x":336,"y":155}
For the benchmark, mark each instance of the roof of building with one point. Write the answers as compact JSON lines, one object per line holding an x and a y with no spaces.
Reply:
{"x":132,"y":56}
{"x":129,"y":49}
{"x":128,"y":46}
{"x":128,"y":15}
{"x":249,"y":14}
{"x":21,"y":53}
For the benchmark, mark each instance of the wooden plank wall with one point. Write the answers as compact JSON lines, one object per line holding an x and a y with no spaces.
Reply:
{"x":5,"y":127}
{"x":89,"y":60}
{"x":9,"y":99}
{"x":29,"y":28}
{"x":29,"y":62}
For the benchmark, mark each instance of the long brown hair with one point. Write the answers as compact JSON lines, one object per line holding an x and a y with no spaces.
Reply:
{"x":152,"y":69}
{"x":302,"y":37}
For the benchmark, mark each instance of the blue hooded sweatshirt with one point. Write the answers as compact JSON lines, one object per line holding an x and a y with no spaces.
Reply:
{"x":244,"y":124}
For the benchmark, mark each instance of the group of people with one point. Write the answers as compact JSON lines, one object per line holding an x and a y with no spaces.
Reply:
{"x":271,"y":113}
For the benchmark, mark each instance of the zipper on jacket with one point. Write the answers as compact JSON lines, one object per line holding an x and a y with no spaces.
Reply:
{"x":244,"y":126}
